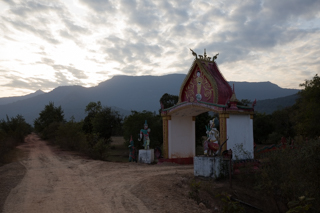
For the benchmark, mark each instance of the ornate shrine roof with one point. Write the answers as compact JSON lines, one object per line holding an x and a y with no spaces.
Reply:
{"x":205,"y":83}
{"x":205,"y":88}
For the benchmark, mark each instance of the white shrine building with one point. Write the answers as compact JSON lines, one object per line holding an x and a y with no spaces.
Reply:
{"x":205,"y":89}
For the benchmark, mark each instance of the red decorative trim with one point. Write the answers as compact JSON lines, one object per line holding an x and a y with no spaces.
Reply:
{"x":176,"y":160}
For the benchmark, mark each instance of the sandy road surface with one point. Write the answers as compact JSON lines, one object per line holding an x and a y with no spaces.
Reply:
{"x":57,"y":181}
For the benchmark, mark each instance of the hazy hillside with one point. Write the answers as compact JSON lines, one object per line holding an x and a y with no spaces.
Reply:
{"x":125,"y":93}
{"x":270,"y":105}
{"x":18,"y":98}
{"x":260,"y":90}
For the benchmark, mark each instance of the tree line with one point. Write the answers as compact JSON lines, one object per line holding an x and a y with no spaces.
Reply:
{"x":12,"y":132}
{"x":298,"y":121}
{"x":92,"y":135}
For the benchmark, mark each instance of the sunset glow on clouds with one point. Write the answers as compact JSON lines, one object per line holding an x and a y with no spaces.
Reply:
{"x":46,"y":44}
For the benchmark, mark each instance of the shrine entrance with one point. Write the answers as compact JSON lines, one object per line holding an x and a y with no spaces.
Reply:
{"x":205,"y":89}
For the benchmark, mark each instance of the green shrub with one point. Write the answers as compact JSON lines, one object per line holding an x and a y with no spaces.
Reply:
{"x":12,"y":132}
{"x":49,"y":132}
{"x":100,"y":150}
{"x":70,"y":136}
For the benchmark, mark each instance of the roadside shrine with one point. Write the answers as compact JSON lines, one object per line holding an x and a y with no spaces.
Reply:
{"x":205,"y":89}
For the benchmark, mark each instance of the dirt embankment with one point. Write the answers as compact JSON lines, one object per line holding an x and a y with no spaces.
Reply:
{"x":58,"y":181}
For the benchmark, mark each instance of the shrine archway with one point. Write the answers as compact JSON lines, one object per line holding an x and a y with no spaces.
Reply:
{"x":205,"y":89}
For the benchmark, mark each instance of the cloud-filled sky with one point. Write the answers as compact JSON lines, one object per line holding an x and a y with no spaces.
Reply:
{"x":46,"y":44}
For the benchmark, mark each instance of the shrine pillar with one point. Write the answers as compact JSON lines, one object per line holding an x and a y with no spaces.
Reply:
{"x":165,"y":121}
{"x":239,"y":128}
{"x":223,"y":129}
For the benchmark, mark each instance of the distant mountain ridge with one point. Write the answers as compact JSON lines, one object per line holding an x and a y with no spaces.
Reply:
{"x":260,"y":90}
{"x":268,"y":106}
{"x":9,"y":100}
{"x":124,"y":93}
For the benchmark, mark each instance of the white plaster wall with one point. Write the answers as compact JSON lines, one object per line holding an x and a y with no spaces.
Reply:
{"x":181,"y":137}
{"x":240,"y":131}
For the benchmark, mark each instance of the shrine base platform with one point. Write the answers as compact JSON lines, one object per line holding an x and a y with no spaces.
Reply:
{"x":146,"y":156}
{"x":211,"y":167}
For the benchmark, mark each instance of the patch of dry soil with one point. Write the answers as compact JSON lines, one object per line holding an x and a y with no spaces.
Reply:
{"x":58,"y":181}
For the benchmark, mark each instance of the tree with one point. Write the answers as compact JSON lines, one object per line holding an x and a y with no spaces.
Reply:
{"x":307,"y":106}
{"x":168,"y":101}
{"x":48,"y":117}
{"x":12,"y":132}
{"x":70,"y":136}
{"x":15,"y":127}
{"x":281,"y":120}
{"x":262,"y":127}
{"x":244,"y":102}
{"x":101,"y":121}
{"x":92,"y":109}
{"x":106,"y":122}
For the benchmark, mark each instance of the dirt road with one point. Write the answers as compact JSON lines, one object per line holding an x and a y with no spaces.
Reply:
{"x":58,"y":181}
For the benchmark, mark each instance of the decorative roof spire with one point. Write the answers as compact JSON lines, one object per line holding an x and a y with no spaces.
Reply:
{"x":233,"y":100}
{"x":204,"y":56}
{"x":215,"y":57}
{"x":193,"y":53}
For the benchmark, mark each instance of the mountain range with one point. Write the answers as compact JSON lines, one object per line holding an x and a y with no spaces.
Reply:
{"x":124,"y":93}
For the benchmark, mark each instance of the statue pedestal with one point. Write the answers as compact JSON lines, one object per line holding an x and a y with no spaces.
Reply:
{"x":212,"y":167}
{"x":146,"y":156}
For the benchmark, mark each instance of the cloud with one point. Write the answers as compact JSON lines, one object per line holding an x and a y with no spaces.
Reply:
{"x":75,"y":28}
{"x":76,"y":73}
{"x":15,"y":81}
{"x":293,"y":9}
{"x":63,"y":70}
{"x":30,"y":28}
{"x":253,"y":25}
{"x":100,"y":6}
{"x":75,"y":40}
{"x":27,"y":8}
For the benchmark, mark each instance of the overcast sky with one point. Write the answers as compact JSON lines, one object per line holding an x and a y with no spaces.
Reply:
{"x":46,"y":44}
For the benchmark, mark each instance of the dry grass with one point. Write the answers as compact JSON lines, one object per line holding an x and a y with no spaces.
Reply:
{"x":117,"y":140}
{"x":118,"y":151}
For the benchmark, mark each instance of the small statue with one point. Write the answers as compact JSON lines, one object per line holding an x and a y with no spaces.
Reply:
{"x":211,"y":145}
{"x":133,"y":151}
{"x":145,"y":132}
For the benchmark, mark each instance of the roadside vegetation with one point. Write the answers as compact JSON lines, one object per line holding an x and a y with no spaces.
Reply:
{"x":91,"y":136}
{"x":299,"y":120}
{"x":12,"y":133}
